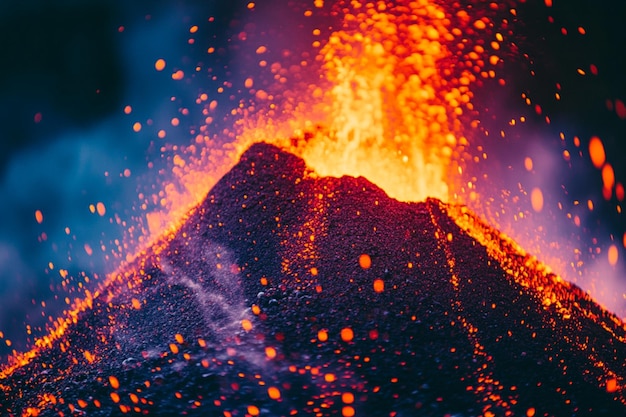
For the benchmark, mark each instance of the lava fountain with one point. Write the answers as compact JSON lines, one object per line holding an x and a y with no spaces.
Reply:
{"x":351,"y":264}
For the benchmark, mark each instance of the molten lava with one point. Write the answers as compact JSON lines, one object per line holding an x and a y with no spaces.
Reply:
{"x":392,"y":103}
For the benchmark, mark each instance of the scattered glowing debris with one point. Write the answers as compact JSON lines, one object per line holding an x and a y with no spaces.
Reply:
{"x":101,"y":209}
{"x":270,"y":352}
{"x":114,"y":382}
{"x":136,"y":303}
{"x":322,"y":335}
{"x":347,"y":398}
{"x":613,"y":255}
{"x":365,"y":261}
{"x":379,"y":285}
{"x":528,"y":164}
{"x":620,"y":109}
{"x":536,"y":199}
{"x":347,"y":334}
{"x":608,"y":176}
{"x":89,"y":356}
{"x":159,"y":65}
{"x":246,"y":325}
{"x":274,"y":393}
{"x":348,"y":411}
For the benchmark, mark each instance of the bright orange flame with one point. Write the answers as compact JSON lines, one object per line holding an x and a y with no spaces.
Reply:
{"x":392,"y":117}
{"x":386,"y":105}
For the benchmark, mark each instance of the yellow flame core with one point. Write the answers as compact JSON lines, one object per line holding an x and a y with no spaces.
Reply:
{"x":392,"y":108}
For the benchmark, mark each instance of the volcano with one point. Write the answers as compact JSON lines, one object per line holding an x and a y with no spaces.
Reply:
{"x":286,"y":293}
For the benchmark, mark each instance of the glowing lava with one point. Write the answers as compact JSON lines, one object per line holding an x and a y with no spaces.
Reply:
{"x":392,"y":103}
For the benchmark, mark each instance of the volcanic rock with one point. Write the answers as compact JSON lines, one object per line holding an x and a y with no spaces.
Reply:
{"x":285,"y":293}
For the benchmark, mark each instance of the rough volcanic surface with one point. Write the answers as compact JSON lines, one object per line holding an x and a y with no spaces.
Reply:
{"x":262,"y":304}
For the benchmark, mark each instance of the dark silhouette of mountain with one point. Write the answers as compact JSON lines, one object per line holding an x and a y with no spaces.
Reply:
{"x":285,"y":293}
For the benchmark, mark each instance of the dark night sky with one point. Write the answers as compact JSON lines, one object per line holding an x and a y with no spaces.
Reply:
{"x":68,"y":62}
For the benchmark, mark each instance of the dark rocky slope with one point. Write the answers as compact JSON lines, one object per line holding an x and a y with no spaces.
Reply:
{"x":252,"y":297}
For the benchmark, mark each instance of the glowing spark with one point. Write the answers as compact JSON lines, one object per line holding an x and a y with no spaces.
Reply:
{"x":613,"y":255}
{"x":379,"y":285}
{"x":159,"y":65}
{"x":365,"y":261}
{"x":273,"y":392}
{"x":596,"y":151}
{"x":347,"y":334}
{"x":322,"y":335}
{"x":114,"y":382}
{"x":536,"y":199}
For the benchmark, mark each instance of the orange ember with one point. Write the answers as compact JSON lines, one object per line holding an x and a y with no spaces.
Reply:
{"x":596,"y":151}
{"x":365,"y":261}
{"x":391,"y":113}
